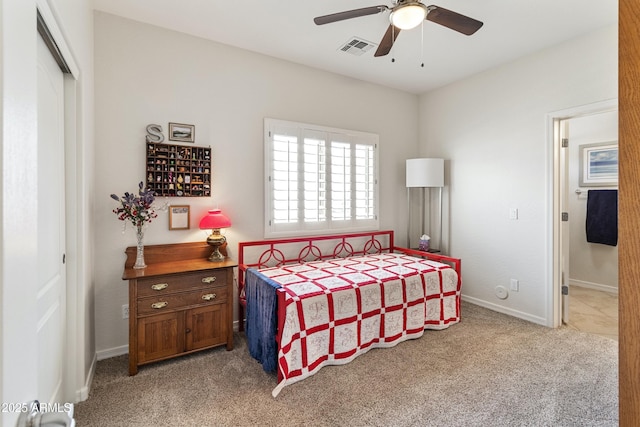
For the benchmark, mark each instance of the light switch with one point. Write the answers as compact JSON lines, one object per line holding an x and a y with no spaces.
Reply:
{"x":513,"y":213}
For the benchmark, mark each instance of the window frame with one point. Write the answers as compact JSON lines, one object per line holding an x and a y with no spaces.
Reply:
{"x":328,"y":225}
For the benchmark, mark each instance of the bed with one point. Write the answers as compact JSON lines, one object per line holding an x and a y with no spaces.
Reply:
{"x":325,"y":300}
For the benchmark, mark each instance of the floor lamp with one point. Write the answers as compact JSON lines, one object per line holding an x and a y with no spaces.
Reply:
{"x":425,"y":173}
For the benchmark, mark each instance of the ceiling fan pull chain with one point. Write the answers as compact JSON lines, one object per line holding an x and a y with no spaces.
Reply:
{"x":393,"y":37}
{"x":422,"y":44}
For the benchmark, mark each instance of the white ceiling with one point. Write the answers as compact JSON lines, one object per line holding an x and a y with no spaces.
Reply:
{"x":285,"y":29}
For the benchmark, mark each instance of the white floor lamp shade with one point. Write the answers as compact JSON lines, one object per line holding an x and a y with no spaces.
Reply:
{"x":424,"y":173}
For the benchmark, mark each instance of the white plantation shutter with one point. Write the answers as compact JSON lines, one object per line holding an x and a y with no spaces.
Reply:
{"x":340,"y":181}
{"x":285,"y":178}
{"x":365,"y":178}
{"x":314,"y":187}
{"x":319,"y":179}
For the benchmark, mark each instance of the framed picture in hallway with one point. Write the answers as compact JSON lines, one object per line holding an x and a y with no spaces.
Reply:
{"x":599,"y":164}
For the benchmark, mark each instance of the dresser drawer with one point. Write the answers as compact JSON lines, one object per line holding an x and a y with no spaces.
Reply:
{"x":164,"y":303}
{"x":154,"y":286}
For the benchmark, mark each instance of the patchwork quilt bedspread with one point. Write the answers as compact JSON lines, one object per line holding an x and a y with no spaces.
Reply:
{"x":339,"y":309}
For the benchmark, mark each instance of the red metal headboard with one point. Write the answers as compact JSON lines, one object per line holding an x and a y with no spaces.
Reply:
{"x":304,"y":249}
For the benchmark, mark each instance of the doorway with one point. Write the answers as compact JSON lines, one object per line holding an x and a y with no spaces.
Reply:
{"x":593,"y":278}
{"x":577,"y":264}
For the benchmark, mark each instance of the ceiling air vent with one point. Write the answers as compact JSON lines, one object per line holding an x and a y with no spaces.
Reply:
{"x":357,"y":46}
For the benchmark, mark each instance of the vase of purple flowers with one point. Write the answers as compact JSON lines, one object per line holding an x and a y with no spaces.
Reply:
{"x":138,"y":210}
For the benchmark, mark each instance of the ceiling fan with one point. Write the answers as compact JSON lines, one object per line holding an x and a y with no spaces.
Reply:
{"x":405,"y":15}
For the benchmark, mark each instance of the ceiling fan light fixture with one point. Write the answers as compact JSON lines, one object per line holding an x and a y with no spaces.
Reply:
{"x":408,"y":16}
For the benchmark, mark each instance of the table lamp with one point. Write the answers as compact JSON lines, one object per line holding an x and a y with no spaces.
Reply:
{"x":214,"y":221}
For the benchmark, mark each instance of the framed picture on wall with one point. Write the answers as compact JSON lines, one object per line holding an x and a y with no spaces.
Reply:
{"x":599,"y":164}
{"x":182,"y":132}
{"x":179,"y":217}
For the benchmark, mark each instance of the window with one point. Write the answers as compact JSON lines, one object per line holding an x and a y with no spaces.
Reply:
{"x":319,"y":179}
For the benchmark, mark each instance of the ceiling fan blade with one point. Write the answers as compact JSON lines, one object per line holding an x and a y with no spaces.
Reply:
{"x":455,"y":21}
{"x":387,"y":41}
{"x":348,"y":14}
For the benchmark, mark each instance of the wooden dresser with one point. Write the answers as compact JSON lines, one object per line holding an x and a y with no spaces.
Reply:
{"x":180,"y":303}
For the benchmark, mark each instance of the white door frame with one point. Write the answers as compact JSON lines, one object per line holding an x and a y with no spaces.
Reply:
{"x":554,"y":262}
{"x":74,"y":370}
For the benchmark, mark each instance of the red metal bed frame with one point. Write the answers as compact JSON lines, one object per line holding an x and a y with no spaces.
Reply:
{"x":273,"y":253}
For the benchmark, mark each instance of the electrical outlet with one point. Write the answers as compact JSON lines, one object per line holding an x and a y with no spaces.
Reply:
{"x":515,"y":285}
{"x":125,"y":311}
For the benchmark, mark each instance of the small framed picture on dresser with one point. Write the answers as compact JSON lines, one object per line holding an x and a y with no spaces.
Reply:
{"x":179,"y":217}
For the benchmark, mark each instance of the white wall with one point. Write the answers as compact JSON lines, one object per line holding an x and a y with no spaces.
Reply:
{"x":590,"y":264}
{"x":18,"y":236}
{"x":492,"y":128}
{"x":145,"y":74}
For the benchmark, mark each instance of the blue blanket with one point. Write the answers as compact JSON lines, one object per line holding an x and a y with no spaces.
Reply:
{"x":262,"y":320}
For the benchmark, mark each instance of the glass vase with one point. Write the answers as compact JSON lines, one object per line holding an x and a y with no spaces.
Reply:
{"x":140,"y":249}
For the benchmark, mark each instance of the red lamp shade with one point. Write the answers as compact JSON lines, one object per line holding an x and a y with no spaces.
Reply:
{"x":214,"y":219}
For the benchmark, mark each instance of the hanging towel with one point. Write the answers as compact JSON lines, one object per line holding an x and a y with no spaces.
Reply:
{"x":602,"y":217}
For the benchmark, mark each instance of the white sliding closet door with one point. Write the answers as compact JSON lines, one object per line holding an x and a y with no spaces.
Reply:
{"x":50,"y":264}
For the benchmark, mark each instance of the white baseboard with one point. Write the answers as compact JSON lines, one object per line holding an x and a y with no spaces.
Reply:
{"x":83,"y":393}
{"x":112,"y":352}
{"x":505,"y":310}
{"x":596,"y":286}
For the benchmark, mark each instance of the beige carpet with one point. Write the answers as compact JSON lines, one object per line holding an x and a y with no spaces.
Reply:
{"x":488,"y":370}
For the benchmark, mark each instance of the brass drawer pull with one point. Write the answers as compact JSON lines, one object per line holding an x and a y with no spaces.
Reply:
{"x":159,"y":286}
{"x":209,"y":279}
{"x":208,"y":297}
{"x":161,"y":304}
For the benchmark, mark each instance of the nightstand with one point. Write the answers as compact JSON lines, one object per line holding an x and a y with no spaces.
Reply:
{"x":179,"y":304}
